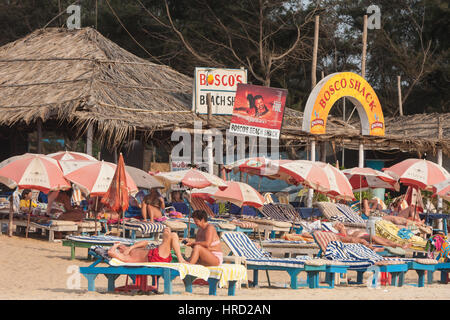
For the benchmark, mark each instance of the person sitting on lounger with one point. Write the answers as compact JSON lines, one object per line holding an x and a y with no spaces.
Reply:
{"x":59,"y":206}
{"x":138,"y":252}
{"x":206,"y":248}
{"x":358,"y":236}
{"x":152,"y":206}
{"x":26,"y":203}
{"x":370,"y":206}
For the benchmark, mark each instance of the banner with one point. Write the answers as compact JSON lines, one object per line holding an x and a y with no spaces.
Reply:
{"x":221,"y":84}
{"x":258,"y":111}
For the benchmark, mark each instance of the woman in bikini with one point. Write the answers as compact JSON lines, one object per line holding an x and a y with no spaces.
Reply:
{"x":206,"y":248}
{"x":358,"y":236}
{"x":152,"y":206}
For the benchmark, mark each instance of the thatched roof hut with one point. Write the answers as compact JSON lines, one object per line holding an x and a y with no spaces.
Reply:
{"x":79,"y":78}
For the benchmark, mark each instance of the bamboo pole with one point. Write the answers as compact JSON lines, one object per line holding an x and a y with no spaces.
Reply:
{"x":39,"y":136}
{"x":89,"y":138}
{"x":399,"y":88}
{"x":363,"y":59}
{"x":11,"y":213}
{"x":314,"y":58}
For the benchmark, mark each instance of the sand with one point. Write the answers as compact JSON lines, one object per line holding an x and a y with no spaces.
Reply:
{"x":37,"y":269}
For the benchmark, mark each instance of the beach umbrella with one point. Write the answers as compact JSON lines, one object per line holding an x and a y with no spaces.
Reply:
{"x":32,"y":171}
{"x":71,"y":155}
{"x":95,"y":177}
{"x":252,"y":166}
{"x":191,"y":178}
{"x":143,"y":179}
{"x":116,"y":197}
{"x":204,"y":193}
{"x":442,"y":189}
{"x":419,"y":173}
{"x":304,"y":172}
{"x":240,"y":194}
{"x":368,"y":178}
{"x":336,"y":184}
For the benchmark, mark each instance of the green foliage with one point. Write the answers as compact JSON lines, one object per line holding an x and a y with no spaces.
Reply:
{"x":413,"y":41}
{"x":364,"y":194}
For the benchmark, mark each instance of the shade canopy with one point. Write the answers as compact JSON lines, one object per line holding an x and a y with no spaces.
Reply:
{"x":191,"y":178}
{"x":33,"y":171}
{"x":419,"y":173}
{"x":368,"y":178}
{"x":240,"y":194}
{"x":71,"y":155}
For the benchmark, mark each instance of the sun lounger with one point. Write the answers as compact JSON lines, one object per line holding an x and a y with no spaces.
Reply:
{"x":256,"y":259}
{"x":89,"y":241}
{"x":222,"y":276}
{"x":144,"y":227}
{"x":50,"y":226}
{"x":341,"y":213}
{"x":287,"y":248}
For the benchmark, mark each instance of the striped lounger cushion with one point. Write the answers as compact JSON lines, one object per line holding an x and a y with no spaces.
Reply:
{"x":329,"y":210}
{"x":100,"y":240}
{"x":241,"y":246}
{"x":349,"y":213}
{"x":323,"y":238}
{"x":144,"y":227}
{"x":357,"y":255}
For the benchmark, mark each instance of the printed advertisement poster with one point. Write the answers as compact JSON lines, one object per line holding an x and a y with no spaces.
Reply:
{"x":221,"y":84}
{"x":258,"y":111}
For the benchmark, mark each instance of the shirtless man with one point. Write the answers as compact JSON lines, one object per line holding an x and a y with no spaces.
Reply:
{"x":138,"y":252}
{"x":358,"y":236}
{"x":206,"y":248}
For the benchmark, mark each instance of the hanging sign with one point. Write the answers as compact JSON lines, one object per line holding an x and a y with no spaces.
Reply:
{"x":258,"y":111}
{"x":221,"y":84}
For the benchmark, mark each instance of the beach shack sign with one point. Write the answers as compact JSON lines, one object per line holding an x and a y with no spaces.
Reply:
{"x":339,"y":85}
{"x":221,"y":84}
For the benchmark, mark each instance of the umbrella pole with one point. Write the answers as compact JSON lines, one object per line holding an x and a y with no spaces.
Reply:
{"x":28,"y":221}
{"x":11,"y":213}
{"x":189,"y":218}
{"x":95,"y":215}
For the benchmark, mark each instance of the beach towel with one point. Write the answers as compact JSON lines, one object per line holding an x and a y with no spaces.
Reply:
{"x":349,"y":214}
{"x":228,"y":272}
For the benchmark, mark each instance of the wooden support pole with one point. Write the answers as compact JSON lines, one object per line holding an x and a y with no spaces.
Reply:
{"x":363,"y":59}
{"x":39,"y":135}
{"x":314,"y":58}
{"x":399,"y":88}
{"x":361,"y":155}
{"x":439,"y":160}
{"x":313,"y":158}
{"x":209,"y":136}
{"x":89,"y":138}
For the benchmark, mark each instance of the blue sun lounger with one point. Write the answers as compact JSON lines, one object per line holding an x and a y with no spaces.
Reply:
{"x":257,"y":259}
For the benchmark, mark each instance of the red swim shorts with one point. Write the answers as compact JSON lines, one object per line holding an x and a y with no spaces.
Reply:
{"x":153,"y":256}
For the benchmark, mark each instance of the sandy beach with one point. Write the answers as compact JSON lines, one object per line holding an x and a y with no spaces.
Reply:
{"x":37,"y":269}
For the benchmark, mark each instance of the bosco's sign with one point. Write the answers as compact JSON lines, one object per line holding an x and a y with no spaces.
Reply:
{"x":353,"y":87}
{"x":221,"y":84}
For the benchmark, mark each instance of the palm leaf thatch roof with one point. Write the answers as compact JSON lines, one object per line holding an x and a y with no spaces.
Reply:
{"x":82,"y":77}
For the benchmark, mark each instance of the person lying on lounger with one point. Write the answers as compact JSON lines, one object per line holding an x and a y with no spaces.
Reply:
{"x":138,"y":252}
{"x":358,"y":236}
{"x":206,"y":248}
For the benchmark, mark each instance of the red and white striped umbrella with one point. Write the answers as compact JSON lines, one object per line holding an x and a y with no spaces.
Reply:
{"x":442,"y":189}
{"x":252,"y":166}
{"x":368,"y":178}
{"x":204,"y":193}
{"x":33,"y":171}
{"x":191,"y":178}
{"x":70,"y":155}
{"x":418,"y":172}
{"x":240,"y":194}
{"x":94,"y":178}
{"x":303,"y":172}
{"x":336,"y":184}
